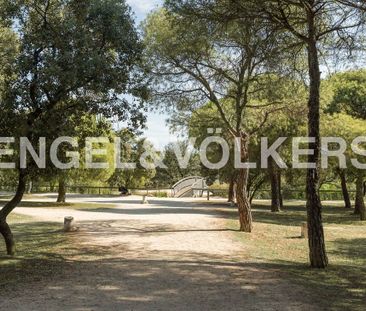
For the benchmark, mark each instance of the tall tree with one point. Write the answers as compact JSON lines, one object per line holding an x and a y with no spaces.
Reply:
{"x":345,"y":192}
{"x":79,"y":126}
{"x":348,"y":96}
{"x":311,"y":23}
{"x":73,"y":55}
{"x":195,"y":62}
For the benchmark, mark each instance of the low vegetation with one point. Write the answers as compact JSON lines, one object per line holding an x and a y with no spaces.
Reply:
{"x":277,"y":243}
{"x":43,"y":250}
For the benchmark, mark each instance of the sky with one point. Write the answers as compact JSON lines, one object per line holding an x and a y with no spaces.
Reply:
{"x":142,"y":7}
{"x":157,"y":130}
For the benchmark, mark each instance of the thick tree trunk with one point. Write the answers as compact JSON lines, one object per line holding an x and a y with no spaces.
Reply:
{"x":61,"y":198}
{"x":7,"y":209}
{"x":242,"y":199}
{"x":346,"y":198}
{"x":8,"y":237}
{"x":318,"y":255}
{"x":360,"y":202}
{"x":275,"y":187}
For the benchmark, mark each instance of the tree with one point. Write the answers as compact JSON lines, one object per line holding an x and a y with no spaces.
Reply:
{"x":133,"y":148}
{"x":284,"y":123}
{"x":345,"y":192}
{"x":73,"y":56}
{"x":194,"y":62}
{"x":310,"y":24}
{"x":356,"y":4}
{"x":349,"y":95}
{"x":360,"y":193}
{"x":167,"y":177}
{"x":346,"y":127}
{"x":81,"y":127}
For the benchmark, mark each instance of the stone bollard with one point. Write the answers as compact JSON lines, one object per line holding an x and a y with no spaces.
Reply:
{"x":304,"y":230}
{"x":144,"y":200}
{"x":69,"y":224}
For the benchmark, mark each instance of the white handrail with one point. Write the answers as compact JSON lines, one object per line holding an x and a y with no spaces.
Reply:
{"x":187,"y":184}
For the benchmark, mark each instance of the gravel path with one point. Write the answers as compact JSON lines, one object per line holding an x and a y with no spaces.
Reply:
{"x":167,"y":255}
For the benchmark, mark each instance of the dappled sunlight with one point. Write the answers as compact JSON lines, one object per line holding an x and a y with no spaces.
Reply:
{"x":173,"y":253}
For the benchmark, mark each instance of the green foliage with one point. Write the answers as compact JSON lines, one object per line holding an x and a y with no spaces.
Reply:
{"x":194,"y":61}
{"x":349,"y":93}
{"x":132,"y":150}
{"x":73,"y":57}
{"x":173,"y":173}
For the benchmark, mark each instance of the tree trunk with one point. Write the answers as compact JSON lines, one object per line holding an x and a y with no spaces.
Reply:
{"x":242,"y":199}
{"x":317,"y":254}
{"x":231,"y":194}
{"x":359,"y":202}
{"x":254,"y":187}
{"x":8,"y":237}
{"x":30,"y":187}
{"x":280,"y":188}
{"x":61,"y":198}
{"x":7,"y":209}
{"x":346,"y":198}
{"x":275,"y":187}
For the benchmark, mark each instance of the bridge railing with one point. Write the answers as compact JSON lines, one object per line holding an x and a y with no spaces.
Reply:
{"x":185,"y":183}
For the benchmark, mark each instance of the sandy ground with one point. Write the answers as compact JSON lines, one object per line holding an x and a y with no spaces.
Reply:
{"x":167,"y":255}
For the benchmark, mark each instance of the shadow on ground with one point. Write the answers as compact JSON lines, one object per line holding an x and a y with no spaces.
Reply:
{"x":291,"y":215}
{"x":53,"y":272}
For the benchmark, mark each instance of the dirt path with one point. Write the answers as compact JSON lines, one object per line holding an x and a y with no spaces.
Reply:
{"x":168,"y":255}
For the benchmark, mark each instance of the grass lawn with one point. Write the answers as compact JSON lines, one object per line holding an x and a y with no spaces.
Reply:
{"x":40,"y":246}
{"x":275,"y":241}
{"x":39,"y":252}
{"x":74,"y":206}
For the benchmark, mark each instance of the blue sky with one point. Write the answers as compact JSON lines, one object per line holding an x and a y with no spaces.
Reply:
{"x":157,"y":130}
{"x":142,"y":7}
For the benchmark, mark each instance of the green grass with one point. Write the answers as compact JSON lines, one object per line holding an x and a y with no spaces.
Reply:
{"x":40,"y":246}
{"x":39,"y":252}
{"x":43,"y":250}
{"x":276,"y":242}
{"x":75,"y":206}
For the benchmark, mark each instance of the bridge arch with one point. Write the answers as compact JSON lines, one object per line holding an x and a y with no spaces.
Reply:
{"x":186,"y":187}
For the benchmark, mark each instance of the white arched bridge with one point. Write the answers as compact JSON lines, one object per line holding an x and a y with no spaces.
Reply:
{"x":189,"y":187}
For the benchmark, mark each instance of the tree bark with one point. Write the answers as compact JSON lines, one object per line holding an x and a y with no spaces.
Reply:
{"x":317,"y":254}
{"x":280,"y":188}
{"x":8,"y":237}
{"x":346,"y":197}
{"x":8,"y":208}
{"x":61,"y":198}
{"x":360,"y":202}
{"x":275,"y":187}
{"x":242,"y":199}
{"x":231,"y":194}
{"x":252,"y":193}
